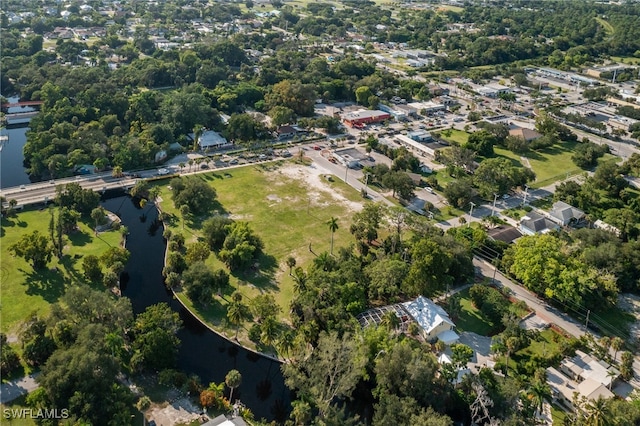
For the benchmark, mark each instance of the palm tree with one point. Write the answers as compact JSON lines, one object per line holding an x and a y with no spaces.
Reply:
{"x":12,"y":204}
{"x":190,"y":163}
{"x":324,"y":261}
{"x":233,"y":379}
{"x":299,"y":280}
{"x":216,"y":388}
{"x":538,"y":391}
{"x":390,"y":321}
{"x":616,"y":345}
{"x":268,"y":330}
{"x":439,"y":346}
{"x":116,"y":172}
{"x":285,"y":341}
{"x":333,"y":227}
{"x":291,"y":262}
{"x":182,"y":166}
{"x":598,"y":412}
{"x":237,"y":311}
{"x":612,"y":375}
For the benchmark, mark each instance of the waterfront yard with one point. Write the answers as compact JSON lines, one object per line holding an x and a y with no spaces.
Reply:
{"x":25,"y":291}
{"x":288,"y":205}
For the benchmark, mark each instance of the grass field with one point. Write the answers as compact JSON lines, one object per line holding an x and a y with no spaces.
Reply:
{"x":24,"y":290}
{"x":550,"y":165}
{"x":454,"y":135}
{"x":16,"y":406}
{"x":288,"y":206}
{"x":471,"y":319}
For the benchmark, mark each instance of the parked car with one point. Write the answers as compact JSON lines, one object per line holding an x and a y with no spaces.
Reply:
{"x":163,"y":172}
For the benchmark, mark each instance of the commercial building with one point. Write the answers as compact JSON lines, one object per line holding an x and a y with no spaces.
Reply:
{"x":362,"y":117}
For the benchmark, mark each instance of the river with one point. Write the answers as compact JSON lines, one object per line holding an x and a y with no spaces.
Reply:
{"x":202,"y":352}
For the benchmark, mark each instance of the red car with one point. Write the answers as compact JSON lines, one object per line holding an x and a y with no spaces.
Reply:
{"x":316,"y":147}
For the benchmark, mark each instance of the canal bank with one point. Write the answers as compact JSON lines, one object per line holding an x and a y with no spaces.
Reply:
{"x":202,"y":351}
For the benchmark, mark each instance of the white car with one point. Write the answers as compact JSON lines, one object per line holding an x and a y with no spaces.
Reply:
{"x":163,"y":171}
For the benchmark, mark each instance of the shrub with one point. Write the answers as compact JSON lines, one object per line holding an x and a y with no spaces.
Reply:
{"x":143,"y":403}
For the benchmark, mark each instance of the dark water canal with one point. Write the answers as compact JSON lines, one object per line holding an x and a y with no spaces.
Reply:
{"x":202,"y":352}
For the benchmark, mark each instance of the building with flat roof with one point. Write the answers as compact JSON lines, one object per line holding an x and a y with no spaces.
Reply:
{"x":428,"y":107}
{"x":362,"y":117}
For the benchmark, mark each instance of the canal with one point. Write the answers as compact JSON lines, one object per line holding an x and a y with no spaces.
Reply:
{"x":202,"y":352}
{"x":12,"y":172}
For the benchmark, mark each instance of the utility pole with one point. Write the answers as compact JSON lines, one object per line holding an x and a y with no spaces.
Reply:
{"x":495,"y":198}
{"x":526,"y":189}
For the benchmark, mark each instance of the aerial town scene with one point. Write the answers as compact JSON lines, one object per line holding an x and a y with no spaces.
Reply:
{"x":341,"y":212}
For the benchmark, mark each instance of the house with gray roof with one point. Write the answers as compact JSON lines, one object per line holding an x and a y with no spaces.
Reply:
{"x":535,"y":223}
{"x":565,"y":214}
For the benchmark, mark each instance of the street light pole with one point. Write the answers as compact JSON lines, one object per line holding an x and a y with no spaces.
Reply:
{"x":471,"y":212}
{"x":346,"y":172}
{"x":526,"y":189}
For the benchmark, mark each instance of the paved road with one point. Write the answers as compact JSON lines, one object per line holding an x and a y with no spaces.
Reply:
{"x":16,"y":388}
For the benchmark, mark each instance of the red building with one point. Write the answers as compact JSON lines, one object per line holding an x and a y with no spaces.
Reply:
{"x":364,"y":116}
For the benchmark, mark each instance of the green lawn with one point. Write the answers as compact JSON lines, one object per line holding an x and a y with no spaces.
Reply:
{"x":558,"y":415}
{"x":547,"y":345}
{"x":550,"y":164}
{"x":16,"y":406}
{"x":471,"y":319}
{"x":288,"y":214}
{"x":24,"y":290}
{"x":454,"y":135}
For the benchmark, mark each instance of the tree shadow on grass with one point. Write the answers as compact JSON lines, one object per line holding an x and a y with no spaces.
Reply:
{"x":533,"y":155}
{"x":262,"y":277}
{"x":46,"y":283}
{"x":79,"y":238}
{"x":212,"y":176}
{"x":67,"y":263}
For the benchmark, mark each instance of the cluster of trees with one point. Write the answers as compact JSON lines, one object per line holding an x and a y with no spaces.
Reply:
{"x":586,"y":154}
{"x":73,"y":203}
{"x":606,"y":196}
{"x":546,"y":265}
{"x":89,"y":331}
{"x":493,"y":177}
{"x":194,"y":194}
{"x":490,"y":302}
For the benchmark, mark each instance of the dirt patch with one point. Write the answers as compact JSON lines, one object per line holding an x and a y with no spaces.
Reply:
{"x":318,"y":188}
{"x":178,"y":411}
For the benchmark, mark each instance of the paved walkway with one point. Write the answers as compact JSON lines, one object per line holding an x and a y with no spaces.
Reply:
{"x":16,"y":388}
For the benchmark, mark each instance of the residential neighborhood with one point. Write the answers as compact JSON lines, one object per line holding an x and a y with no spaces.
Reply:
{"x":274,"y":212}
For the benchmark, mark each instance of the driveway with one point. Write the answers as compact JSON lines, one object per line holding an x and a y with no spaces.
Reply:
{"x":16,"y":388}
